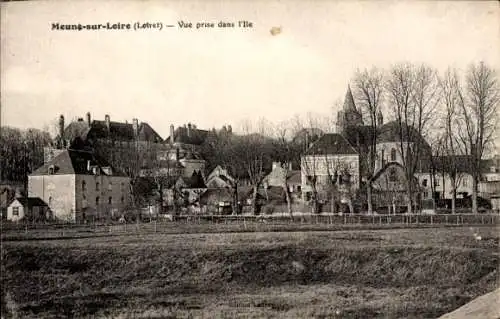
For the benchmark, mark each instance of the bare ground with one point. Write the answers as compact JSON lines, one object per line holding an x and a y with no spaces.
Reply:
{"x":413,"y":273}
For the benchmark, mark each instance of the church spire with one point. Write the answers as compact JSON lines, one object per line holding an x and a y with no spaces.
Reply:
{"x":349,"y":100}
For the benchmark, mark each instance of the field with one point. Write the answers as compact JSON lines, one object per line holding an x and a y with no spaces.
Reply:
{"x":355,"y":273}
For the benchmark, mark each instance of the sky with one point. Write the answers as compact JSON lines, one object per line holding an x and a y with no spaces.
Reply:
{"x":220,"y":76}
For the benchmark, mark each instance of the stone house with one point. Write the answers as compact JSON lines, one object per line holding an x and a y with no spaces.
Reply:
{"x":78,"y":185}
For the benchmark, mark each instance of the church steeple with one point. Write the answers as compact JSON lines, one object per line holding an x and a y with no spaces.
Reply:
{"x":349,"y":104}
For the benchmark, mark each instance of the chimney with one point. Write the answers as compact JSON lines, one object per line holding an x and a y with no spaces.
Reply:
{"x":172,"y":129}
{"x":88,"y":119}
{"x":189,"y":130}
{"x":61,"y":127}
{"x":108,"y":122}
{"x":135,"y":127}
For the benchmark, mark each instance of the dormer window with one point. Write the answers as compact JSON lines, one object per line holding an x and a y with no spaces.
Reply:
{"x":52,"y":170}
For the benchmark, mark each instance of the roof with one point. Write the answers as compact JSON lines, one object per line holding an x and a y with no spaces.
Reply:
{"x":331,"y":143}
{"x":75,"y":162}
{"x":187,"y":135}
{"x":392,"y":131}
{"x":223,"y":194}
{"x":31,"y":201}
{"x":294,"y":177}
{"x":349,"y":104}
{"x":196,"y":181}
{"x":117,"y":131}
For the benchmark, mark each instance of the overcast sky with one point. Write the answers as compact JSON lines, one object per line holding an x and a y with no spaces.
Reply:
{"x":222,"y":76}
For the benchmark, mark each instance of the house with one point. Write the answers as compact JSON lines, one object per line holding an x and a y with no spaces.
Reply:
{"x":330,"y":159}
{"x":28,"y":208}
{"x":102,"y":136}
{"x":8,"y":191}
{"x":217,"y":201}
{"x":220,"y":178}
{"x":276,"y":178}
{"x":78,"y":185}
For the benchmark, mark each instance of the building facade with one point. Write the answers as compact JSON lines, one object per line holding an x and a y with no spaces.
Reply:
{"x":78,"y":186}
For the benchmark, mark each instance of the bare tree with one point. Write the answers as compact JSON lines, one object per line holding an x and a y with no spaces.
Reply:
{"x":339,"y":183}
{"x":479,"y":118}
{"x":453,"y":101}
{"x":287,"y":152}
{"x":369,"y":91}
{"x":413,"y":95}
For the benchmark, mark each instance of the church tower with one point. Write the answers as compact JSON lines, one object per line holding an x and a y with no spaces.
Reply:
{"x":349,"y":115}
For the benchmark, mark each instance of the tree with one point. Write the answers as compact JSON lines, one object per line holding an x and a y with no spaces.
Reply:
{"x":21,"y":152}
{"x":452,"y":100}
{"x":412,"y":91}
{"x":255,"y":154}
{"x":479,"y":118}
{"x":340,"y":177}
{"x":287,"y":152}
{"x":369,"y":91}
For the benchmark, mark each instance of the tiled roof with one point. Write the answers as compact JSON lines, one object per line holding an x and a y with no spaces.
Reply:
{"x":74,"y":162}
{"x":332,"y":143}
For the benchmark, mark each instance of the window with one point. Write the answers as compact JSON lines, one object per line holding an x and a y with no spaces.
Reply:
{"x":15,"y":211}
{"x":122,"y":187}
{"x":393,"y":176}
{"x":426,"y":194}
{"x":464,"y":182}
{"x":84,"y":186}
{"x":393,"y":154}
{"x":110,"y":186}
{"x":299,"y":188}
{"x":97,"y":186}
{"x":437,"y":182}
{"x":424,"y":183}
{"x":110,"y":200}
{"x":122,"y":199}
{"x":97,"y":199}
{"x":383,"y":157}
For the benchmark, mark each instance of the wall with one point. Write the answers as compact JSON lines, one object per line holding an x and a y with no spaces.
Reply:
{"x":384,"y":149}
{"x":116,"y":187}
{"x":444,"y":185}
{"x":10,"y":213}
{"x":58,"y":191}
{"x":323,"y":164}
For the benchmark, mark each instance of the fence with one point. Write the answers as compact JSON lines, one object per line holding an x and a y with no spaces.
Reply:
{"x":230,"y":223}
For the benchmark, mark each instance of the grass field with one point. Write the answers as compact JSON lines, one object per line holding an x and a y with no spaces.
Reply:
{"x":388,"y":273}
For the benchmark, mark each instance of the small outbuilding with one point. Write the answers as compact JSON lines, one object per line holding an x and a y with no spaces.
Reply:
{"x":31,"y":208}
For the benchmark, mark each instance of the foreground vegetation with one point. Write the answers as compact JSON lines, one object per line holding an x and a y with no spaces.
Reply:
{"x":346,"y":274}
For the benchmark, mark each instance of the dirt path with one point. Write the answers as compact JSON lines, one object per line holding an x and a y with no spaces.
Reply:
{"x":484,"y":307}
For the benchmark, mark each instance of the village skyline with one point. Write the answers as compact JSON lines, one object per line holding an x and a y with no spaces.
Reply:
{"x":219,"y":77}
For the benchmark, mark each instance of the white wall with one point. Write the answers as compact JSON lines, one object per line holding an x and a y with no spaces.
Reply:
{"x":58,"y":191}
{"x":10,"y":211}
